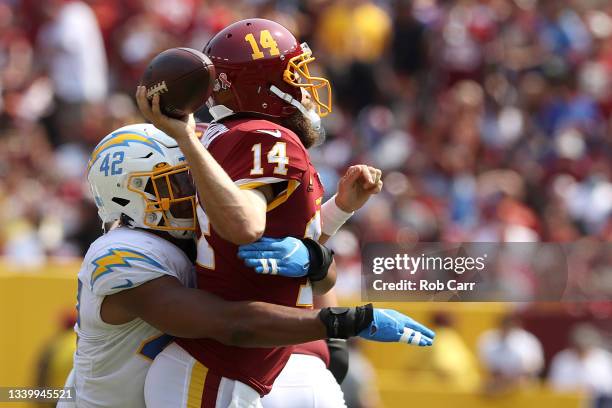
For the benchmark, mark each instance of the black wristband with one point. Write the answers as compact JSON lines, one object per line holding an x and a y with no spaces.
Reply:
{"x":345,"y":322}
{"x":321,"y":258}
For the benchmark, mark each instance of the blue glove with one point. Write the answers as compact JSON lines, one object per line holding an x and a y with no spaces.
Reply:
{"x":391,"y":326}
{"x":285,"y":257}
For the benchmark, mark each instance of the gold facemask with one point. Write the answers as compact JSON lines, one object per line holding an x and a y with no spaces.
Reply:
{"x":298,"y":75}
{"x":174,"y":194}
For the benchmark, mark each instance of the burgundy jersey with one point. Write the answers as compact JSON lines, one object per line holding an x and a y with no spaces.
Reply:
{"x":254,"y":153}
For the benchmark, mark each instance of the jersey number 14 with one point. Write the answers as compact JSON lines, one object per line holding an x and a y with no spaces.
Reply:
{"x":277,"y":155}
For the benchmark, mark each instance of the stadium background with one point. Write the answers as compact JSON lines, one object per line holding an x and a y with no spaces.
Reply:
{"x":490,"y":119}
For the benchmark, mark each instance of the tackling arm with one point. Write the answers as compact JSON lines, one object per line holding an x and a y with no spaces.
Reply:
{"x":191,"y":313}
{"x":174,"y":309}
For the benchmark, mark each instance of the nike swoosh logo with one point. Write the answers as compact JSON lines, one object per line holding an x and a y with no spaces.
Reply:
{"x":275,"y":133}
{"x":295,"y":248}
{"x":128,"y":284}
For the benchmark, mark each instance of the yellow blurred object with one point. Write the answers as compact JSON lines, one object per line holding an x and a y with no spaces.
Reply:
{"x":347,"y":31}
{"x":333,"y":26}
{"x":30,"y":306}
{"x":58,"y":360}
{"x":433,"y":396}
{"x":452,"y":363}
{"x":371,"y":30}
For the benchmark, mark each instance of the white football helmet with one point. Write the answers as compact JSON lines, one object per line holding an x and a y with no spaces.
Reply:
{"x":138,"y":174}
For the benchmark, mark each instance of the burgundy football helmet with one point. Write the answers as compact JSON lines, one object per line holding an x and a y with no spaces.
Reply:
{"x":262,"y":68}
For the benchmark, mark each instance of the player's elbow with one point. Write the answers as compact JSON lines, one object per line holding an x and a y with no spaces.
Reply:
{"x":243,"y":329}
{"x":238,"y":334}
{"x":241,"y":337}
{"x":241,"y":233}
{"x":250,"y":233}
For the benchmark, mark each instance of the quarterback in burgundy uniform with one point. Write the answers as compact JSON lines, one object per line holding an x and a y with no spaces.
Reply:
{"x":254,"y":178}
{"x":255,"y":153}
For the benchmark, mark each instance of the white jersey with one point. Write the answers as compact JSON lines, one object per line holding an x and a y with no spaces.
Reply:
{"x":111,"y":361}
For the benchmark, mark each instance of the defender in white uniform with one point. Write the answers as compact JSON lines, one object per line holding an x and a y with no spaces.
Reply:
{"x":137,"y":176}
{"x":111,"y":361}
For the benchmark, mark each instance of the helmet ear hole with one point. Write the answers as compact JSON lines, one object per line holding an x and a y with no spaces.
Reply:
{"x":121,"y":201}
{"x":126,"y":220}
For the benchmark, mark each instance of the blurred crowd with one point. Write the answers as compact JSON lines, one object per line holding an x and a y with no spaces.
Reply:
{"x":520,"y":352}
{"x":512,"y":357}
{"x":490,"y":118}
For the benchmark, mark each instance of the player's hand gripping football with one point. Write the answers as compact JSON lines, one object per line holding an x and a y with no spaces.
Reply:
{"x":357,"y":185}
{"x":175,"y":128}
{"x":284,"y":257}
{"x":391,"y":326}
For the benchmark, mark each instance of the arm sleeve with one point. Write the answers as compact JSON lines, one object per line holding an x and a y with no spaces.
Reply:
{"x":338,"y":358}
{"x":124,"y":267}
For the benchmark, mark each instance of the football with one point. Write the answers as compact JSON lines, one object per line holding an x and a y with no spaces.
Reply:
{"x":183,"y":77}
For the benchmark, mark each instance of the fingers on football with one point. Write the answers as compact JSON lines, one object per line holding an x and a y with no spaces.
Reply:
{"x":190,"y":120}
{"x":155,"y":105}
{"x":143,"y":102}
{"x":156,"y":108}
